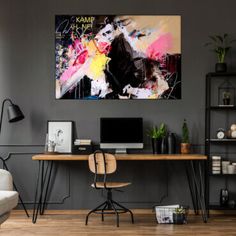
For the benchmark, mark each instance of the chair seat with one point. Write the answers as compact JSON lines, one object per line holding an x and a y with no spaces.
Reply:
{"x":111,"y":184}
{"x":8,"y":200}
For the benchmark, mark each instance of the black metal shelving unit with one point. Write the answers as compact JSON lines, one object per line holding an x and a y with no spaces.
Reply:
{"x":209,"y":140}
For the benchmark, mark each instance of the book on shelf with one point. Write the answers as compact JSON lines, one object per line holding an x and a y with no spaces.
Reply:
{"x":82,"y":142}
{"x":226,"y":105}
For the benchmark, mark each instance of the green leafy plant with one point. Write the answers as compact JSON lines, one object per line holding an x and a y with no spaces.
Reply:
{"x":220,"y":44}
{"x":180,"y":210}
{"x":185,"y":132}
{"x":156,"y":132}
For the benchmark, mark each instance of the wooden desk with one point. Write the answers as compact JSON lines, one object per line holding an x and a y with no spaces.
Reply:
{"x":194,"y":175}
{"x":122,"y":157}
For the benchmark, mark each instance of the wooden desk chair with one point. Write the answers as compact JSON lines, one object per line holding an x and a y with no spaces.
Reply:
{"x":102,"y":164}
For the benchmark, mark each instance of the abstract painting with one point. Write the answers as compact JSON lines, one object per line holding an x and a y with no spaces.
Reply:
{"x":118,"y":57}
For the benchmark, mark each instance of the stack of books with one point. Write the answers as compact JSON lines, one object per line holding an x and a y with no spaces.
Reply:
{"x":78,"y":142}
{"x":82,"y":146}
{"x":216,"y":165}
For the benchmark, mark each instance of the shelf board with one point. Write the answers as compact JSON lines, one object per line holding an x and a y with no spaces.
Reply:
{"x":218,"y":207}
{"x":222,"y":107}
{"x":227,"y":140}
{"x":218,"y":175}
{"x":214,"y":74}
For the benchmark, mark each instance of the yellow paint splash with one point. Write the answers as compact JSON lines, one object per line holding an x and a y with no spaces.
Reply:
{"x":98,"y":64}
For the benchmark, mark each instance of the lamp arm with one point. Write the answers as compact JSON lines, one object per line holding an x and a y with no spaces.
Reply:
{"x":3,"y":103}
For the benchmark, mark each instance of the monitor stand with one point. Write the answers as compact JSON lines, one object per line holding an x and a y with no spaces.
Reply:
{"x":121,"y":151}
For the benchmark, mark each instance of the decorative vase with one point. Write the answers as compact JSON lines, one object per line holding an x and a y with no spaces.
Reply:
{"x":221,"y":67}
{"x":156,"y":145}
{"x":185,"y":148}
{"x":171,"y":139}
{"x":224,"y":197}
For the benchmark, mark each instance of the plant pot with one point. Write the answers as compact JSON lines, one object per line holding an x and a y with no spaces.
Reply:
{"x":156,"y":145}
{"x":221,"y":67}
{"x":179,"y":218}
{"x":185,"y":148}
{"x":226,"y":101}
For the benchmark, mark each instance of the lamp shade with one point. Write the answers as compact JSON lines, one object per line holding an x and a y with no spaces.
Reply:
{"x":14,"y":113}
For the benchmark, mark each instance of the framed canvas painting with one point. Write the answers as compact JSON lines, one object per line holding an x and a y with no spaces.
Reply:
{"x":118,"y":57}
{"x":60,"y":132}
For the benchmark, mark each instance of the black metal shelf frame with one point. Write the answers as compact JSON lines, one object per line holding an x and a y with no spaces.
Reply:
{"x":211,"y":141}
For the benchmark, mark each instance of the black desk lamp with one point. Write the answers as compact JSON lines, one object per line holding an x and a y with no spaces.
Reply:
{"x":14,"y":114}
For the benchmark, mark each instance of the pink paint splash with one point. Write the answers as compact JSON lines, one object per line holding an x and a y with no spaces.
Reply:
{"x":159,"y":47}
{"x":81,"y":56}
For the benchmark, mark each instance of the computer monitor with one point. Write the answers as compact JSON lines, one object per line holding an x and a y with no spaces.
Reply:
{"x":121,"y":134}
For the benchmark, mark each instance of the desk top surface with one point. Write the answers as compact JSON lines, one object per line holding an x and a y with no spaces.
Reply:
{"x":126,"y":157}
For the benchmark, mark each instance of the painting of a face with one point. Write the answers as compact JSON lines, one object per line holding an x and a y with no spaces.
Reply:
{"x":104,"y":38}
{"x":106,"y":34}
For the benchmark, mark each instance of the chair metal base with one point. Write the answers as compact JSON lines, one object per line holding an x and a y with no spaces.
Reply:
{"x":110,"y":207}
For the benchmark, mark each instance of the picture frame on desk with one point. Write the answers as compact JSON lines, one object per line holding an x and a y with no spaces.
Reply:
{"x":60,"y":131}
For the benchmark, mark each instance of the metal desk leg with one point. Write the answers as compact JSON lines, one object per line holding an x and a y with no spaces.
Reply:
{"x":199,"y":188}
{"x":40,"y":192}
{"x":50,"y":166}
{"x":42,"y":187}
{"x":14,"y":185}
{"x":192,"y":189}
{"x":36,"y":206}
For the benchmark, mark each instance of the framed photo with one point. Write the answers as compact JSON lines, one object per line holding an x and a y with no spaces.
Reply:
{"x":60,"y":132}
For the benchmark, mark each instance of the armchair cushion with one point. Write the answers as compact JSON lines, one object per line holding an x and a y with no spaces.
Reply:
{"x":8,"y":197}
{"x":8,"y":200}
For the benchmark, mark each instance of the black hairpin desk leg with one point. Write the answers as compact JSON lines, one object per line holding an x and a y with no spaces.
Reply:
{"x":196,"y":183}
{"x":42,"y":185}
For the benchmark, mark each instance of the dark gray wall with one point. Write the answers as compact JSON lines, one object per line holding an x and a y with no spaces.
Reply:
{"x":27,"y":77}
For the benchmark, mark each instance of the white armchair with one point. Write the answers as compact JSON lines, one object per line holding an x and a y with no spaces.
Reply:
{"x":8,"y":197}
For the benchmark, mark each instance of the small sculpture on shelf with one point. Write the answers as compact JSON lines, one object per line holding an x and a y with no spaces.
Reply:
{"x":232,"y":131}
{"x":226,"y":94}
{"x":226,"y":98}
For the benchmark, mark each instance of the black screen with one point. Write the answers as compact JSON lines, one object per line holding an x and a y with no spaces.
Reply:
{"x":121,"y":130}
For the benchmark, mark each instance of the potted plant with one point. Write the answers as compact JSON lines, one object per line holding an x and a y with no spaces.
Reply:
{"x":185,"y":145}
{"x":179,"y":216}
{"x":221,"y":46}
{"x":157,"y":134}
{"x":226,"y":98}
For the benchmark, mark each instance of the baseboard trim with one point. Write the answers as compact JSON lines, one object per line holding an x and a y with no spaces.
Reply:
{"x":135,"y":211}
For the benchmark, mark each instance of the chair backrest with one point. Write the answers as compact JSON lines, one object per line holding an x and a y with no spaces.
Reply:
{"x":102,"y":163}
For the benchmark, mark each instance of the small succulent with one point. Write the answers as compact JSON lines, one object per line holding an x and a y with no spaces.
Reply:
{"x":180,"y":210}
{"x":185,"y":132}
